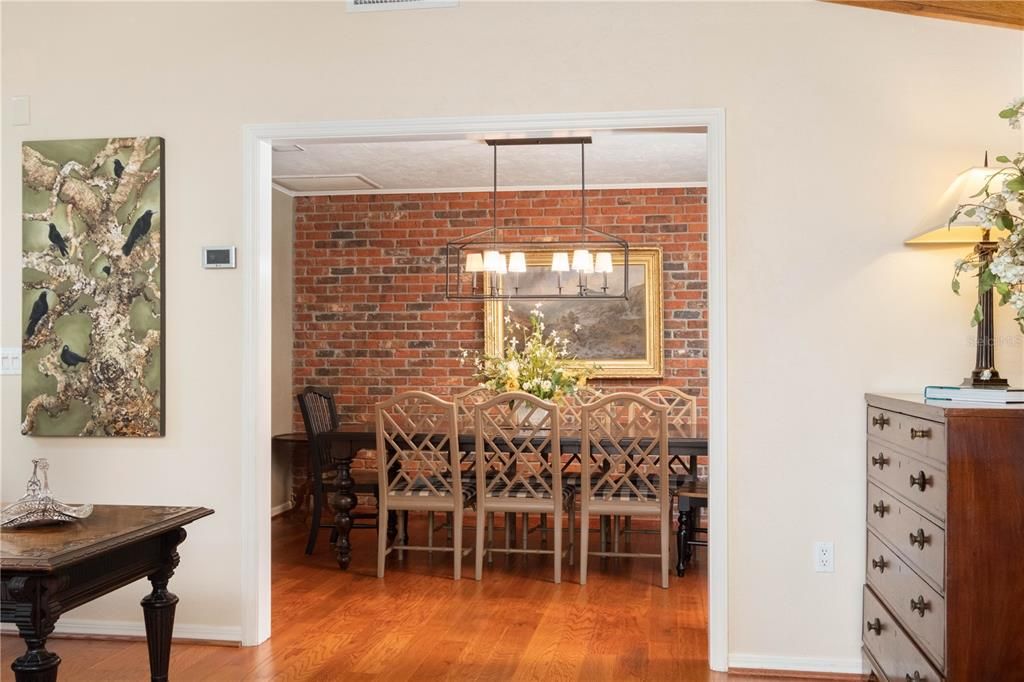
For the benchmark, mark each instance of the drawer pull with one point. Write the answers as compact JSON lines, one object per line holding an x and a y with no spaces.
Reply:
{"x":916,"y":678}
{"x":920,"y":433}
{"x":921,"y":481}
{"x":881,"y":421}
{"x":880,"y":563}
{"x":920,"y":605}
{"x":919,"y":538}
{"x":875,"y":626}
{"x":881,"y":461}
{"x":880,"y":508}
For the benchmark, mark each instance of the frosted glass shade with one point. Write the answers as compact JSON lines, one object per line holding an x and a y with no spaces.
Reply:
{"x":517,"y":261}
{"x":582,"y":261}
{"x":560,"y":261}
{"x":603,"y":262}
{"x":474,"y":262}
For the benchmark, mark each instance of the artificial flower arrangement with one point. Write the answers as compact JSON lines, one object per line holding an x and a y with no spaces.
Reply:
{"x":533,"y":362}
{"x":1000,"y":203}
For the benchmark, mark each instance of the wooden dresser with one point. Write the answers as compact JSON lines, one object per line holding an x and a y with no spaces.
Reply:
{"x":944,"y":592}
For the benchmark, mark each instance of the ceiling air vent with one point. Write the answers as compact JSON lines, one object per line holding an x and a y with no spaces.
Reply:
{"x":382,"y":5}
{"x":319,"y":184}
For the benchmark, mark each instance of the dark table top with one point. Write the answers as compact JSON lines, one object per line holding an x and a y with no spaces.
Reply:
{"x":48,"y":548}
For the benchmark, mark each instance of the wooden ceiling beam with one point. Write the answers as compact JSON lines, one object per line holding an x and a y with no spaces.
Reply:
{"x":1002,"y":13}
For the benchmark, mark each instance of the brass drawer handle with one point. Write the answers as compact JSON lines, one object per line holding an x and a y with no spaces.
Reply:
{"x":875,"y":626}
{"x":881,"y":461}
{"x":920,"y":605}
{"x":918,"y":538}
{"x":880,"y":563}
{"x":881,"y":508}
{"x":916,"y":678}
{"x":921,"y":481}
{"x":920,"y":433}
{"x":881,"y":421}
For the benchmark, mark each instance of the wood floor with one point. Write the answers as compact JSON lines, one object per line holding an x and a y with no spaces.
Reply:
{"x":418,"y":624}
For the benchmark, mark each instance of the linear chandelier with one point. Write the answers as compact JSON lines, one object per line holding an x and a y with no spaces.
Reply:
{"x":502,"y":263}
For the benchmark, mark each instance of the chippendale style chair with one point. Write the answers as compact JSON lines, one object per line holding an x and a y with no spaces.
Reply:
{"x":625,"y":469}
{"x":518,"y":471}
{"x":321,"y":419}
{"x":418,"y":468}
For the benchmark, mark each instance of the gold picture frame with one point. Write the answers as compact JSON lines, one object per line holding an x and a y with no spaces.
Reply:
{"x":634,"y":350}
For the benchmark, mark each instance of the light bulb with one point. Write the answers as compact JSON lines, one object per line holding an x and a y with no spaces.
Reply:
{"x":474,"y":262}
{"x":517,"y":261}
{"x":603,"y":262}
{"x":560,"y":262}
{"x":582,"y":261}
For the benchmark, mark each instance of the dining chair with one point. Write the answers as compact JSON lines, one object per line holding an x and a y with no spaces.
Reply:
{"x":690,"y":492}
{"x":625,"y":470}
{"x":418,"y":468}
{"x":320,"y":418}
{"x":518,"y":471}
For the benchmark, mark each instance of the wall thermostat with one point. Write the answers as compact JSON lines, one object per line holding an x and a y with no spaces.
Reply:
{"x":218,"y":256}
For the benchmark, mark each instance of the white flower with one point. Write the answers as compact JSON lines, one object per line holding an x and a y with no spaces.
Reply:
{"x":577,"y":327}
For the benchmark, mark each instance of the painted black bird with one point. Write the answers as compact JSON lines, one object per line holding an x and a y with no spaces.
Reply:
{"x":57,"y":240}
{"x":139,"y":230}
{"x":106,"y":270}
{"x":70,"y":357}
{"x":118,"y":168}
{"x":39,"y":310}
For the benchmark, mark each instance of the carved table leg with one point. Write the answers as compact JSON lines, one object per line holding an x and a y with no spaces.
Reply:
{"x":158,"y":609}
{"x":344,"y":503}
{"x":36,"y":664}
{"x":681,"y":537}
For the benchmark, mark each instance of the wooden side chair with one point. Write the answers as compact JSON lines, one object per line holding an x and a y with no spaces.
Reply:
{"x":625,"y":470}
{"x":518,"y":471}
{"x":321,"y":420}
{"x":418,"y":468}
{"x":465,"y":404}
{"x":690,"y":493}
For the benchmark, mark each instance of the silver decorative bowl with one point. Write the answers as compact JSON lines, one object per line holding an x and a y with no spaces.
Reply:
{"x":38,"y":507}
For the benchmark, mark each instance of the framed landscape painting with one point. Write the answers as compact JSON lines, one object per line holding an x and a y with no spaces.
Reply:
{"x":92,"y":287}
{"x":622,"y":337}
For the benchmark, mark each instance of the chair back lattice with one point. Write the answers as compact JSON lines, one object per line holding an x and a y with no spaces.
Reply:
{"x":571,"y":409}
{"x":624,"y":439}
{"x":319,"y":416}
{"x":417,"y":446}
{"x":518,"y":453}
{"x":466,"y":403}
{"x":682,"y":409}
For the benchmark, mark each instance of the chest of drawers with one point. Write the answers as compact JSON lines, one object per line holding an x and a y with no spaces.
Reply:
{"x":944,"y":585}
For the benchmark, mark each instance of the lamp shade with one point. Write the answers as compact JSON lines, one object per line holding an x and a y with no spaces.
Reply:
{"x":560,"y":261}
{"x":491,"y":259}
{"x":517,"y":261}
{"x":474,"y":262}
{"x":603,"y":262}
{"x":965,"y":229}
{"x":582,"y":261}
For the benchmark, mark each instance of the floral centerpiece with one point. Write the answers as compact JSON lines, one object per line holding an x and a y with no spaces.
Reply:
{"x":1000,"y":203}
{"x":536,"y":362}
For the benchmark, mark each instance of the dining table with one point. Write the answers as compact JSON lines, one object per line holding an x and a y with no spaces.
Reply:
{"x":349,"y":439}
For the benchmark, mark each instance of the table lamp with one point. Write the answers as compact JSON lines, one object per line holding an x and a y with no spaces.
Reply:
{"x":984,"y":236}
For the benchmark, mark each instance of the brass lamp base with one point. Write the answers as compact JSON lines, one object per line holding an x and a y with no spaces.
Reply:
{"x":985,"y":374}
{"x":977,"y":380}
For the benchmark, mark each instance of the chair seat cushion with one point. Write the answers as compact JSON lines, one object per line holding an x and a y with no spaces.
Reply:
{"x":521,"y":490}
{"x":433,"y":487}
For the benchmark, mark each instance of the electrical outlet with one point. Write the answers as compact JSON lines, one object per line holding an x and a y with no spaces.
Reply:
{"x":824,"y":557}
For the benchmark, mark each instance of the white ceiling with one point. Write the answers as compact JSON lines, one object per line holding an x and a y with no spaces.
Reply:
{"x":614,"y":159}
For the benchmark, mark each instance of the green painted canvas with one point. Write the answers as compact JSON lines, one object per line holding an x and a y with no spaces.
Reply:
{"x":92,"y":297}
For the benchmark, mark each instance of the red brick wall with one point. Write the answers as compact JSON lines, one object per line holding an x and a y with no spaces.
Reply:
{"x":370,"y":314}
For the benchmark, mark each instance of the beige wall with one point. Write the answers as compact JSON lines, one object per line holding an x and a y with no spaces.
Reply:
{"x":843,"y":126}
{"x":282,"y":288}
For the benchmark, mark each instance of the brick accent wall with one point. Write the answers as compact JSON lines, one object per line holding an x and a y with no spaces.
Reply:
{"x":370,"y":316}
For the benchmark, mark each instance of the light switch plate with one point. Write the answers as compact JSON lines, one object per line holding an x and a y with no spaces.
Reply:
{"x":10,"y":361}
{"x":19,"y":110}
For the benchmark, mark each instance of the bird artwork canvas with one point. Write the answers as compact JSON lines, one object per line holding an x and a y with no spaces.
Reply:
{"x":92,"y":273}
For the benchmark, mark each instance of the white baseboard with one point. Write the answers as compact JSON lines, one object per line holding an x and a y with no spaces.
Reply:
{"x":851,"y":666}
{"x":281,"y":508}
{"x":130,"y":628}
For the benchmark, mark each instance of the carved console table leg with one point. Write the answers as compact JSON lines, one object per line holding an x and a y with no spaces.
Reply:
{"x":37,"y":664}
{"x":682,"y":539}
{"x":344,"y":503}
{"x":158,"y":609}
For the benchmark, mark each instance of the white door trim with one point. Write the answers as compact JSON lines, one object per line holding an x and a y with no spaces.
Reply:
{"x":255,"y":258}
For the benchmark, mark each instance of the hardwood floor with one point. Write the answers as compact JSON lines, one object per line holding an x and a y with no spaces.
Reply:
{"x":418,"y":624}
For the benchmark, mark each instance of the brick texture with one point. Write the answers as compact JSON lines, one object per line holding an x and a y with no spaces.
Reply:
{"x":370,"y":317}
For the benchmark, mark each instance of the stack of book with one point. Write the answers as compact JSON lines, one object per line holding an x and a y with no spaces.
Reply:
{"x":966,"y":394}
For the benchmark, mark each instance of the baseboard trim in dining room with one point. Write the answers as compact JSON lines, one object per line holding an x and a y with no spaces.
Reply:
{"x":282,"y":508}
{"x":130,"y":629}
{"x":806,"y":668}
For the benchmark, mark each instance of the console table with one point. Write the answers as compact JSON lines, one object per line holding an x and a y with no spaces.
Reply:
{"x":49,"y":570}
